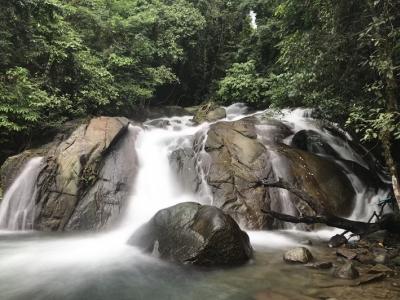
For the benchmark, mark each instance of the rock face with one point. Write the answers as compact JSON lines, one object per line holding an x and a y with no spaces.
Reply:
{"x":320,"y":162}
{"x":242,"y":154}
{"x":85,"y":179}
{"x":238,"y":162}
{"x":86,"y":176}
{"x":190,"y":233}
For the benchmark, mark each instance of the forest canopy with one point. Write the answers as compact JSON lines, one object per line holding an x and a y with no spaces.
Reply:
{"x":66,"y":59}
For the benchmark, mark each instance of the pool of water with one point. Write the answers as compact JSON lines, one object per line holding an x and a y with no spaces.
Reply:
{"x":47,"y":266}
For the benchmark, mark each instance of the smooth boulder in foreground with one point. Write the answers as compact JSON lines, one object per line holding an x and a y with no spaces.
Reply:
{"x":190,"y":233}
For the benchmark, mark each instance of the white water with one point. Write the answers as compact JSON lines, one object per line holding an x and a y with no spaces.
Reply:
{"x":17,"y":207}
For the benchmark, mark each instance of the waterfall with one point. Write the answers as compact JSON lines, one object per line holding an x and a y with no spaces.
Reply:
{"x":157,"y":186}
{"x":18,"y":206}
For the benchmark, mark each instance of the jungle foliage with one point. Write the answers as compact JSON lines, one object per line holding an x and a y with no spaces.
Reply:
{"x":66,"y":59}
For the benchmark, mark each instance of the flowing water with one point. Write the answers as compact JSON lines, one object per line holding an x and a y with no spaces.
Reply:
{"x":46,"y":266}
{"x":17,"y":207}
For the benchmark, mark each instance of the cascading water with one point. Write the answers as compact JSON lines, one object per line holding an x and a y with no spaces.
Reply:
{"x":156,"y":185}
{"x":74,"y":264}
{"x":17,"y":207}
{"x":367,"y":199}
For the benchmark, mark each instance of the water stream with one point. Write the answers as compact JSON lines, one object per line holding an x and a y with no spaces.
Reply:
{"x":48,"y":266}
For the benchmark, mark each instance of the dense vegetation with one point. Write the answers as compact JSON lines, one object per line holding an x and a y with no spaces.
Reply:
{"x":65,"y":59}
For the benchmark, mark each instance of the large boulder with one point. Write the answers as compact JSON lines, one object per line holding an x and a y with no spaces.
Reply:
{"x":87,"y":177}
{"x":238,"y":162}
{"x":242,"y":154}
{"x":190,"y":233}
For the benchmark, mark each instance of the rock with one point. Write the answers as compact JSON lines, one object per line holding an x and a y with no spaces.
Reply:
{"x":216,"y":114}
{"x":367,"y":258}
{"x":104,"y":199}
{"x":371,"y":278}
{"x":159,"y":123}
{"x":311,"y":141}
{"x":337,"y":241}
{"x":190,"y":233}
{"x":320,"y":265}
{"x":159,"y":111}
{"x":347,"y":271}
{"x":237,"y":162}
{"x":319,"y":177}
{"x":306,"y":242}
{"x":379,"y":268}
{"x":13,"y":166}
{"x":381,"y":258}
{"x":396,"y":261}
{"x":209,"y":112}
{"x":239,"y":159}
{"x":85,"y":182}
{"x":346,"y":253}
{"x":183,"y":163}
{"x":298,"y":255}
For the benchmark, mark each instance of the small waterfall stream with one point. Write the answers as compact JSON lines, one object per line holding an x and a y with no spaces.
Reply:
{"x":18,"y":206}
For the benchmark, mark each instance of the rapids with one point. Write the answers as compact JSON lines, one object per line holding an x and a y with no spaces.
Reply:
{"x":46,"y":266}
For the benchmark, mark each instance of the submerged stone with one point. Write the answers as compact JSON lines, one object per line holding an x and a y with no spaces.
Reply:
{"x":347,"y":271}
{"x":190,"y":233}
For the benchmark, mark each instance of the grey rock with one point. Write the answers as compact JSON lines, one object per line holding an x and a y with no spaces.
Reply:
{"x":190,"y":233}
{"x":337,"y":241}
{"x":183,"y":163}
{"x":381,"y":258}
{"x":347,"y":271}
{"x":298,"y":255}
{"x":346,"y":253}
{"x":84,"y":183}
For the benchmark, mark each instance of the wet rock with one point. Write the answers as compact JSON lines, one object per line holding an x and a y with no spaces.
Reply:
{"x":319,"y":177}
{"x":311,"y":141}
{"x":381,"y":258}
{"x":367,"y":258}
{"x":379,"y":268}
{"x":346,"y":253}
{"x":216,"y":114}
{"x":209,"y":112}
{"x":337,"y":241}
{"x":371,"y":278}
{"x":298,"y":255}
{"x":306,"y":242}
{"x":13,"y":166}
{"x":87,"y":177}
{"x":347,"y":271}
{"x":396,"y":261}
{"x":190,"y":233}
{"x":183,"y":163}
{"x":161,"y":112}
{"x":320,"y":265}
{"x":159,"y":123}
{"x":237,"y":162}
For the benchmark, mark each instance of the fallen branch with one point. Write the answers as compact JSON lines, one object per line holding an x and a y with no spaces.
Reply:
{"x":390,"y":222}
{"x":315,"y":205}
{"x":359,"y":228}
